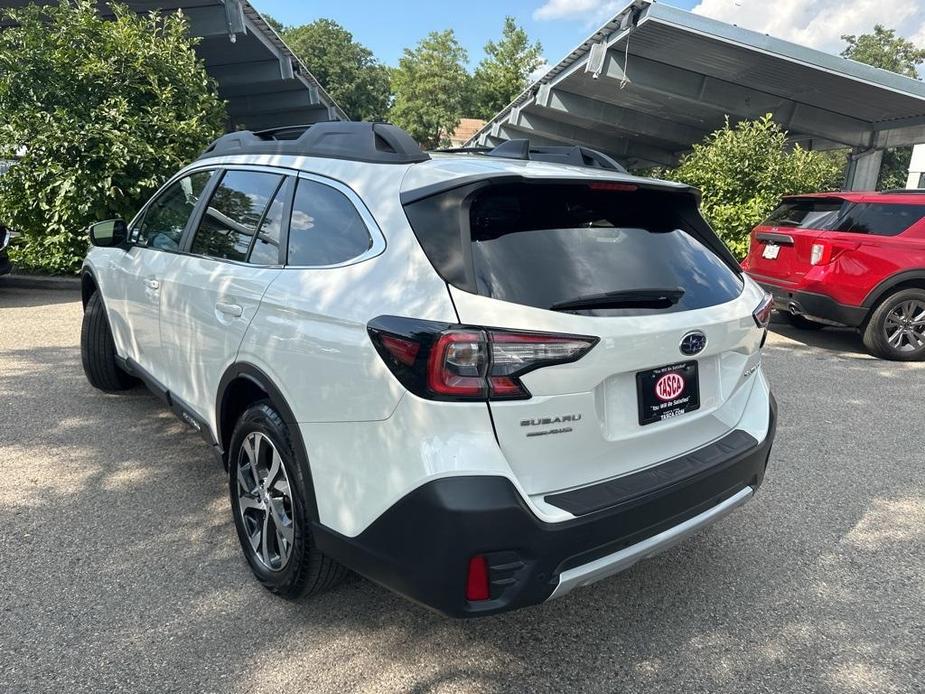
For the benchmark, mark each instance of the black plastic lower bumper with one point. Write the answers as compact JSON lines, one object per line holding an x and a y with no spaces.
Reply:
{"x":421,"y":546}
{"x":5,"y":265}
{"x":817,"y":306}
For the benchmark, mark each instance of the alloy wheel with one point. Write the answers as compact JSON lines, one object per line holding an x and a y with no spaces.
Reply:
{"x":265,"y":501}
{"x":904,"y":326}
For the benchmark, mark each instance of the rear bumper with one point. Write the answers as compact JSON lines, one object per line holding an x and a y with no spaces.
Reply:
{"x":815,"y":306}
{"x":421,"y":546}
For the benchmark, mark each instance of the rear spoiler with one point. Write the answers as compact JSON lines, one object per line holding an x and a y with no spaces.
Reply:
{"x":696,"y":225}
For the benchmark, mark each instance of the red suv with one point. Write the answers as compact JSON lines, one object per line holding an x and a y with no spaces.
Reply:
{"x":848,"y":259}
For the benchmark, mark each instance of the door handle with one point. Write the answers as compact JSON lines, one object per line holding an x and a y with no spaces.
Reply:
{"x":152,"y":284}
{"x":229,"y":309}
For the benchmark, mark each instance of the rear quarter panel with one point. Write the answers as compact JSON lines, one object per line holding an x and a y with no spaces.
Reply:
{"x":854,"y":275}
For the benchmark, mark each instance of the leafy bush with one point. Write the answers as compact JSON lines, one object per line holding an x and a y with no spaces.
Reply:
{"x":743,"y":171}
{"x":100,"y":113}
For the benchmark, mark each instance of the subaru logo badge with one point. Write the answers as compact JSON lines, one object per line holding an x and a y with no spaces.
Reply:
{"x":693,"y":343}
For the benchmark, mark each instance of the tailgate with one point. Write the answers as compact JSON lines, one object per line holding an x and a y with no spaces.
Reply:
{"x":782,"y":255}
{"x":583,"y":422}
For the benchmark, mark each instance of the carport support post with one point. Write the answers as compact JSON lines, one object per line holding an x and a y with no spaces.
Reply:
{"x":864,"y":170}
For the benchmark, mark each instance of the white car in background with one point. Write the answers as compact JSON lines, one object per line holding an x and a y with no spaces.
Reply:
{"x":480,"y":378}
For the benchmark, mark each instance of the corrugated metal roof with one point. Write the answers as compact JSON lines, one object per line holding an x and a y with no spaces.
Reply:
{"x":668,"y":77}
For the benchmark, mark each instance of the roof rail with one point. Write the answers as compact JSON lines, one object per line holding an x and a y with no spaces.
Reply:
{"x":904,"y":191}
{"x":576,"y":155}
{"x":378,"y":143}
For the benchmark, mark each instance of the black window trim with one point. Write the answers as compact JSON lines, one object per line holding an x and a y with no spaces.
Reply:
{"x":135,"y":225}
{"x":186,"y":243}
{"x":281,"y":189}
{"x":377,"y":240}
{"x":218,"y":170}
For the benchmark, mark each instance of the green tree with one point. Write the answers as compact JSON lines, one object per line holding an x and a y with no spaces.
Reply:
{"x":277,"y":25}
{"x":743,"y":171}
{"x":884,"y":49}
{"x":345,"y":68}
{"x":100,"y":113}
{"x":505,"y":70}
{"x":430,"y":86}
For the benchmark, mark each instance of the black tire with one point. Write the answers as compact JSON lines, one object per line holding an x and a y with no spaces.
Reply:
{"x":305,"y":570}
{"x":802,"y":323}
{"x":98,"y":352}
{"x":877,"y":331}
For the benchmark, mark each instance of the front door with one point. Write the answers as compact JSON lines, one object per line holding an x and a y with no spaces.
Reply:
{"x":135,"y":281}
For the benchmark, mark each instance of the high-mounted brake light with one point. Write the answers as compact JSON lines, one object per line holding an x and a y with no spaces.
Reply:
{"x":451,"y":362}
{"x":610,"y":185}
{"x":762,"y":314}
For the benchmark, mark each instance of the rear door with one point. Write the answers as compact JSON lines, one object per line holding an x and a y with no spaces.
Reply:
{"x":212,"y":292}
{"x":546,"y":258}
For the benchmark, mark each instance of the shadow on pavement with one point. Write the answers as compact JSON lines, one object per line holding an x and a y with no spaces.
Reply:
{"x":19,"y":297}
{"x":841,"y":341}
{"x":120,"y":570}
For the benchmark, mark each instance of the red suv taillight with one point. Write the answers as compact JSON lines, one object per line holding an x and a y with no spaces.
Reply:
{"x":824,"y":252}
{"x":453,"y":362}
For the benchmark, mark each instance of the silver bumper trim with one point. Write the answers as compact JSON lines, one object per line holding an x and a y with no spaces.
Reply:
{"x":589,"y":573}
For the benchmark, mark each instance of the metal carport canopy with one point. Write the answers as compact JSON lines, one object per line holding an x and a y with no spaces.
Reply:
{"x":262,"y":80}
{"x":656,"y":79}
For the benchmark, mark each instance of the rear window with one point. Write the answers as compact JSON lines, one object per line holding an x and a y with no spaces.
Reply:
{"x":808,"y":214}
{"x":833,"y":214}
{"x":549,"y":245}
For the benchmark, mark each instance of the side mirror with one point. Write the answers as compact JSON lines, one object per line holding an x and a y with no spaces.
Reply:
{"x":112,"y":232}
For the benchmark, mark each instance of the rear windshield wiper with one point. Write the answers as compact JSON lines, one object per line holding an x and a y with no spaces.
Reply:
{"x":626,"y":298}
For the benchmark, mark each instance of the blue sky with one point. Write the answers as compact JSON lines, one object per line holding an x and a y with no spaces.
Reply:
{"x":388,"y":27}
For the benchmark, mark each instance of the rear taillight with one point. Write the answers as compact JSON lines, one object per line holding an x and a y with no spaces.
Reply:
{"x":762,"y":314}
{"x":452,"y":362}
{"x":817,"y":253}
{"x":824,"y":252}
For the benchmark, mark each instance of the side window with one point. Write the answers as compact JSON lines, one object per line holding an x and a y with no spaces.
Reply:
{"x":236,"y":209}
{"x":266,"y":245}
{"x":166,"y":217}
{"x":325,"y":228}
{"x":884,"y":220}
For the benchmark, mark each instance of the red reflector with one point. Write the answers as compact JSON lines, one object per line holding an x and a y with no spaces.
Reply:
{"x":406,"y":351}
{"x":477,"y":579}
{"x":602,"y":185}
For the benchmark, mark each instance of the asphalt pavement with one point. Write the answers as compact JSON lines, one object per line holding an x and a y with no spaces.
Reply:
{"x":120,"y":570}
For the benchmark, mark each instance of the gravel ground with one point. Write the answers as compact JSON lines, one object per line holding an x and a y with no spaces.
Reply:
{"x":119,"y":569}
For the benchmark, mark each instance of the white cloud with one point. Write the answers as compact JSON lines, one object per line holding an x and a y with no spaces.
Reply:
{"x":820,"y":23}
{"x":587,"y":10}
{"x":539,"y":72}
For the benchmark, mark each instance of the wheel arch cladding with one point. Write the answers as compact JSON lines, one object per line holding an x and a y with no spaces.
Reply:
{"x":241,"y":386}
{"x":908,"y":279}
{"x":88,"y":286}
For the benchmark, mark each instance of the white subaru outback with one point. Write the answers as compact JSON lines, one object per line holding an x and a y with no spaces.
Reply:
{"x":481,"y":379}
